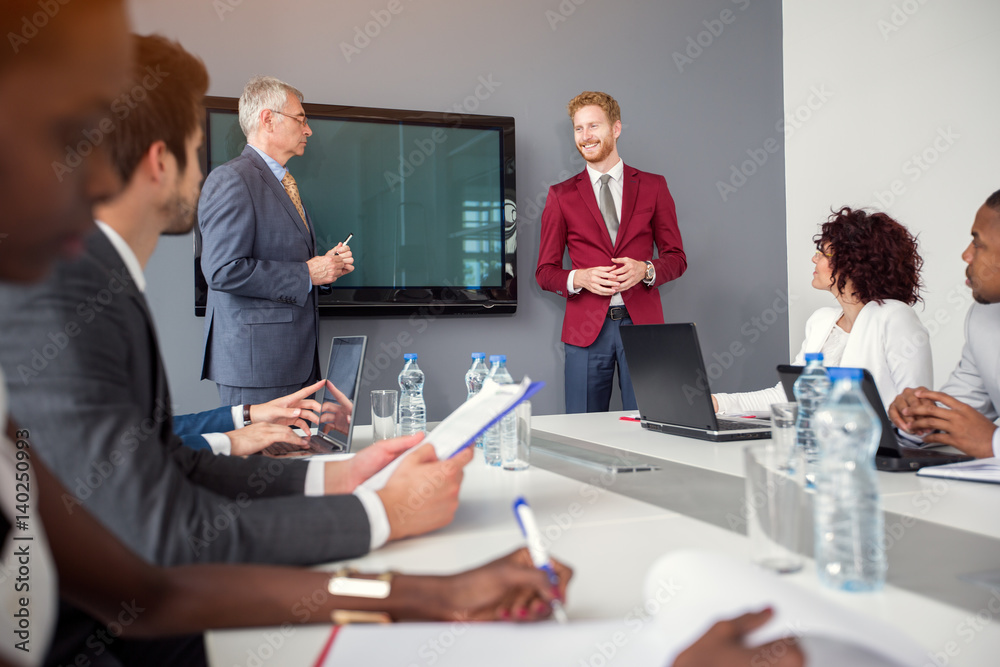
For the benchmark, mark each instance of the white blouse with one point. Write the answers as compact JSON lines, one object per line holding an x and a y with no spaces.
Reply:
{"x":888,"y":339}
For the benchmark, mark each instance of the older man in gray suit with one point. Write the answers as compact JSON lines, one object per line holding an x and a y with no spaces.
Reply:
{"x":258,"y":256}
{"x":963,"y":413}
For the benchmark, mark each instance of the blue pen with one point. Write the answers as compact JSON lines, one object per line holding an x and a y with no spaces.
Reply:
{"x":533,"y":536}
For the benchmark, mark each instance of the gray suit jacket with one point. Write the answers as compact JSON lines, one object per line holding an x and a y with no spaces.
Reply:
{"x":86,"y":380}
{"x":976,"y":379}
{"x":261,"y":325}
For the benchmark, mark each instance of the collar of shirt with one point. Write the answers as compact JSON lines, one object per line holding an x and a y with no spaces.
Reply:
{"x":272,"y":164}
{"x":125,"y":252}
{"x":616,"y":174}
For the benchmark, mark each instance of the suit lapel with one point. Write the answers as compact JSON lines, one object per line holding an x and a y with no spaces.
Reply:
{"x":267,"y":176}
{"x":630,"y":192}
{"x":586,"y":190}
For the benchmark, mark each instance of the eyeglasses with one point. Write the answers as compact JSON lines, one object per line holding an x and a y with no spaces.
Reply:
{"x":825,"y":254}
{"x":301,"y":119}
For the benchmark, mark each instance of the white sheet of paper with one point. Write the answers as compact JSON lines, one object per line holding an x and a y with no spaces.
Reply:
{"x":461,"y":425}
{"x":686,"y":592}
{"x":979,"y":470}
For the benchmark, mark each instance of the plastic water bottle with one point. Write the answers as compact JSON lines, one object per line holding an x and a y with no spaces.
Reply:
{"x":412,"y":411}
{"x":493,"y":439}
{"x":474,"y":378}
{"x":850,"y":548}
{"x":810,"y":391}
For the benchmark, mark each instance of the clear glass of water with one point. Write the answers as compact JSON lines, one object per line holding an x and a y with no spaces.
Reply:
{"x":384,"y":406}
{"x":514,"y":452}
{"x":783,"y":418}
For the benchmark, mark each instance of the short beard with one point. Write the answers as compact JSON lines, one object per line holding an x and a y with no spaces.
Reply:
{"x":182,"y":216}
{"x":606,"y":149}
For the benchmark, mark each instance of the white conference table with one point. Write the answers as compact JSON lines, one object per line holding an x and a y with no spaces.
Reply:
{"x":611,"y":539}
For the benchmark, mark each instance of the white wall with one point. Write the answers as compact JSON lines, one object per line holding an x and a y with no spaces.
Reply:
{"x":890,"y":81}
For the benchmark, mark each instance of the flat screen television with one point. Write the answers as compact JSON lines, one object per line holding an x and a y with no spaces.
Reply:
{"x":429,"y":197}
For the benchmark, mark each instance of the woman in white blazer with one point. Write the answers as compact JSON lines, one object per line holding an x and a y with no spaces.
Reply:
{"x":870,"y":263}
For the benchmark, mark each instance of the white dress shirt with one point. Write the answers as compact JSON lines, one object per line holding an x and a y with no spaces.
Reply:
{"x":615,"y":185}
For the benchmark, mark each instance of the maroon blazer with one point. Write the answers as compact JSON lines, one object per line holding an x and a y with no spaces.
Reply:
{"x":572,"y":219}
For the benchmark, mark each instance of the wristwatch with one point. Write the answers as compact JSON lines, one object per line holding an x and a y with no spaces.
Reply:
{"x":649,"y":272}
{"x":246,"y":412}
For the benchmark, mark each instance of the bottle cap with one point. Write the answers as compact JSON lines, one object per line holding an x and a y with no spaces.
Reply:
{"x":496,"y":357}
{"x":814,"y":356}
{"x":409,"y":355}
{"x":845,"y":374}
{"x":478,"y":355}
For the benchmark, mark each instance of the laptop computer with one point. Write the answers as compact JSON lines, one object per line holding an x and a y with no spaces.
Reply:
{"x":895,"y":453}
{"x":336,"y":420}
{"x":671,"y":385}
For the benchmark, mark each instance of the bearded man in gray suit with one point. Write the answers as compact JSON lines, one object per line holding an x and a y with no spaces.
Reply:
{"x":259,"y":257}
{"x":963,"y":413}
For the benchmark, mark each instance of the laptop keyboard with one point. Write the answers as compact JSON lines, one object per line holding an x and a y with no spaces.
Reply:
{"x":739,"y":424}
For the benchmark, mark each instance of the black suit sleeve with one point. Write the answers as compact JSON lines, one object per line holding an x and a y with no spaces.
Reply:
{"x":86,"y":381}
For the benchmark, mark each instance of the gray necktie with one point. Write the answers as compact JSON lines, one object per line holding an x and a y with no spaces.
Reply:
{"x":607,"y":204}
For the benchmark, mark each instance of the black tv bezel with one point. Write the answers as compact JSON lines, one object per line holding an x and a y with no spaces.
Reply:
{"x":422,"y":300}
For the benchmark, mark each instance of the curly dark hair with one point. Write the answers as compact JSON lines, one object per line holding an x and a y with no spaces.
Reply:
{"x":876,"y":253}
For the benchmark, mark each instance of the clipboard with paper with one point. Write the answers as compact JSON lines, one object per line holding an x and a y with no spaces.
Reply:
{"x":470,"y":420}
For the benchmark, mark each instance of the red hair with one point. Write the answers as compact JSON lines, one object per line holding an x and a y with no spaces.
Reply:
{"x":876,"y":253}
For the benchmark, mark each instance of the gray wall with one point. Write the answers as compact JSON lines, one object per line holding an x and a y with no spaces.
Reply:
{"x":695,"y":121}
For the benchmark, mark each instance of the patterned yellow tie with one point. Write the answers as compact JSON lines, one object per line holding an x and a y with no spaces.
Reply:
{"x":293,"y":193}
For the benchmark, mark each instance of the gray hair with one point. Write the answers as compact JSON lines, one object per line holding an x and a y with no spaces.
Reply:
{"x":262,"y":92}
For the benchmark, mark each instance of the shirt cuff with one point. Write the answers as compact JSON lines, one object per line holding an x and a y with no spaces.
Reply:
{"x":237,"y":411}
{"x":219,"y":442}
{"x":996,"y":442}
{"x":569,"y":284}
{"x":316,"y":479}
{"x":377,"y":518}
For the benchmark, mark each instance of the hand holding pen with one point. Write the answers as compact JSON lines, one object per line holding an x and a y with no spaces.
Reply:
{"x":342,"y":257}
{"x":539,"y":555}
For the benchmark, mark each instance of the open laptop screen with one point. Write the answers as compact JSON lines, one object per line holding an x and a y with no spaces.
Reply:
{"x":336,"y":421}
